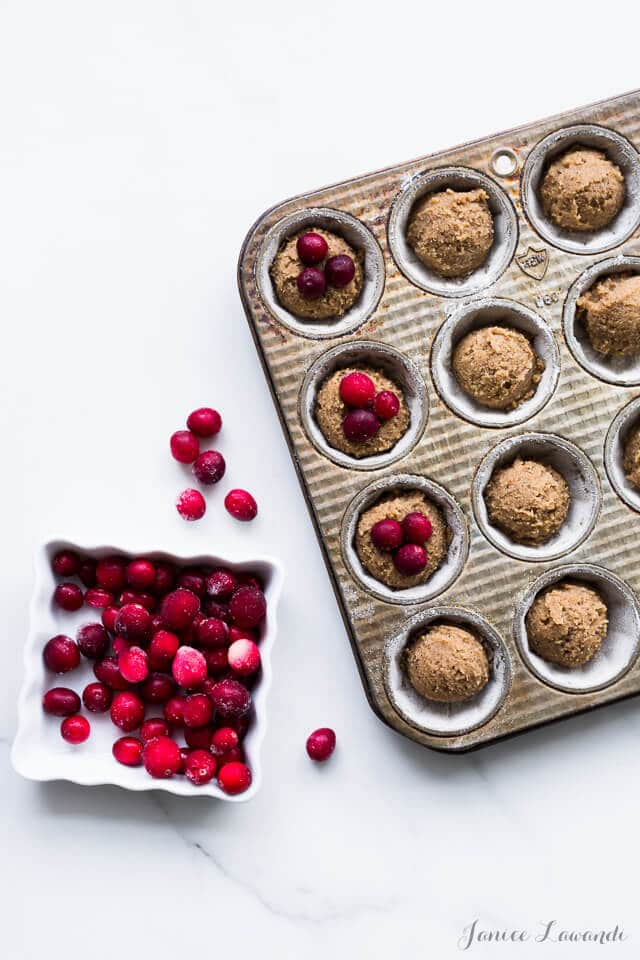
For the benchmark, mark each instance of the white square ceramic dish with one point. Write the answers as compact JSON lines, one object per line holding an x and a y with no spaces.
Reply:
{"x":40,"y":753}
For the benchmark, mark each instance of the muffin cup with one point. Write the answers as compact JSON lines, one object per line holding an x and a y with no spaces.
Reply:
{"x":391,"y":362}
{"x":357,"y":235}
{"x":505,"y":226}
{"x":447,"y":719}
{"x":484,"y":313}
{"x":614,"y":443}
{"x":617,"y":149}
{"x":622,"y":371}
{"x":457,"y":553}
{"x":572,"y":464}
{"x":619,"y":649}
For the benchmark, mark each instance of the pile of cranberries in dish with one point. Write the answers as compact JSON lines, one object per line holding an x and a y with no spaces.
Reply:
{"x":175,"y":653}
{"x":313,"y":280}
{"x":367,"y":408}
{"x":405,"y":540}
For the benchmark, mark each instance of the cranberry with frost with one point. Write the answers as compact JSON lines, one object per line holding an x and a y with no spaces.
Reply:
{"x":154,"y":727}
{"x":199,"y":767}
{"x":68,"y":596}
{"x":340,"y":270}
{"x":133,"y":623}
{"x":61,"y":654}
{"x":61,"y":702}
{"x":159,"y":687}
{"x":312,"y":248}
{"x":110,"y":573}
{"x":410,"y":559}
{"x":174,"y":711}
{"x":97,"y":697}
{"x":387,"y":534}
{"x":220,"y":584}
{"x":66,"y":563}
{"x":108,"y":618}
{"x":311,"y":283}
{"x":98,"y":598}
{"x":106,"y":670}
{"x":191,"y":505}
{"x":185,"y":446}
{"x":417,"y":528}
{"x":223,"y":740}
{"x":161,"y":757}
{"x":162,"y":649}
{"x":127,"y":710}
{"x":179,"y":609}
{"x":75,"y":729}
{"x":209,"y":467}
{"x":128,"y":751}
{"x":360,"y":425}
{"x":133,"y":664}
{"x":357,"y":389}
{"x":321,"y":744}
{"x":189,"y":667}
{"x":234,"y":778}
{"x":230,"y":699}
{"x":212,"y":633}
{"x":198,"y":711}
{"x":386,"y":405}
{"x":93,"y":640}
{"x":204,"y":422}
{"x":241,"y":505}
{"x":244,"y":657}
{"x":247,"y":607}
{"x":87,"y":572}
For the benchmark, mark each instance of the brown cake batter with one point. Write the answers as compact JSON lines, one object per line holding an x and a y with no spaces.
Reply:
{"x":527,"y":500}
{"x":497,"y":366}
{"x":447,"y":663}
{"x":610,"y":312}
{"x":567,"y":624}
{"x":582,"y":190}
{"x":451,"y":231}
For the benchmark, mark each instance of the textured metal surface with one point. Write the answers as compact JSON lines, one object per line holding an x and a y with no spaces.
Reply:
{"x":407,"y":318}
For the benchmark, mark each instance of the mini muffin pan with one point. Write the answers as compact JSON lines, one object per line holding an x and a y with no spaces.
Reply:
{"x":407,"y":322}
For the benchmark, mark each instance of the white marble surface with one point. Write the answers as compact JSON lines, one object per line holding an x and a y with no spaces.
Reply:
{"x":138,"y":141}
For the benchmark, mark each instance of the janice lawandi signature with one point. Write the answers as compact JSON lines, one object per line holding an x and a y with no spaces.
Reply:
{"x":547,"y":931}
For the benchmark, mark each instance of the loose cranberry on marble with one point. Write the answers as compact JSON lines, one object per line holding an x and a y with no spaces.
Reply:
{"x":211,"y":633}
{"x":204,"y":422}
{"x":185,"y":446}
{"x":241,"y":505}
{"x":340,"y":270}
{"x":311,"y":283}
{"x":410,"y":559}
{"x":61,"y":654}
{"x":311,"y":248}
{"x":387,"y":534}
{"x":98,"y":598}
{"x":189,"y":667}
{"x":161,"y":757}
{"x":128,"y":751}
{"x":209,"y":467}
{"x":134,"y":664}
{"x":97,"y":697}
{"x":159,"y":687}
{"x":230,"y":699}
{"x":321,"y":744}
{"x":75,"y":729}
{"x":127,"y":710}
{"x":133,"y":623}
{"x":93,"y":640}
{"x":61,"y":702}
{"x":191,"y":505}
{"x":198,"y":711}
{"x":110,"y":573}
{"x":140,"y":574}
{"x":386,"y":405}
{"x":199,"y":767}
{"x":87,"y":572}
{"x":106,"y":670}
{"x":66,"y":563}
{"x":357,"y":389}
{"x":220,"y":584}
{"x":417,"y":528}
{"x":179,"y":609}
{"x":234,"y":778}
{"x":68,"y":596}
{"x":174,"y":710}
{"x":360,"y":425}
{"x":154,"y":727}
{"x":247,"y":607}
{"x":162,"y":649}
{"x":244,"y":657}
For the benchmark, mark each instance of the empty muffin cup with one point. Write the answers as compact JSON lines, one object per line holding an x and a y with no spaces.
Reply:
{"x":579,"y":474}
{"x":357,"y":235}
{"x":619,"y":649}
{"x":615,"y":443}
{"x":438,"y":718}
{"x":505,"y":229}
{"x":619,"y":151}
{"x":486,"y":313}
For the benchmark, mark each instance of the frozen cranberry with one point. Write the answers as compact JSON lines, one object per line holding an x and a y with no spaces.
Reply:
{"x":68,"y":596}
{"x":128,"y":751}
{"x":146,"y":600}
{"x":140,"y":574}
{"x":234,"y":778}
{"x":239,"y":633}
{"x":61,"y":654}
{"x":189,"y":667}
{"x":191,"y":580}
{"x":75,"y":729}
{"x":158,"y":687}
{"x":312,"y":248}
{"x":340,"y":270}
{"x":417,"y":528}
{"x":154,"y":727}
{"x":386,"y":405}
{"x":120,"y":645}
{"x":357,"y":389}
{"x":311,"y":283}
{"x":198,"y":711}
{"x":209,"y":468}
{"x":162,"y":649}
{"x":230,"y":699}
{"x":241,"y":505}
{"x":157,"y":623}
{"x":217,"y":662}
{"x":93,"y":640}
{"x":161,"y":757}
{"x":185,"y":446}
{"x":198,"y":738}
{"x":87,"y":572}
{"x":127,"y":710}
{"x":220,"y":584}
{"x":179,"y":609}
{"x":204,"y":422}
{"x":165,"y":577}
{"x":110,"y":574}
{"x":224,"y":739}
{"x":133,"y":664}
{"x":199,"y":767}
{"x":211,"y":633}
{"x":97,"y":697}
{"x":360,"y":425}
{"x":61,"y":702}
{"x":66,"y":563}
{"x":220,"y":611}
{"x":133,"y":623}
{"x":247,"y":607}
{"x":244,"y":657}
{"x":108,"y":618}
{"x":106,"y":670}
{"x":387,"y":534}
{"x":321,"y":744}
{"x":410,"y":559}
{"x":191,"y":505}
{"x":174,"y":711}
{"x":234,"y":755}
{"x":98,"y":598}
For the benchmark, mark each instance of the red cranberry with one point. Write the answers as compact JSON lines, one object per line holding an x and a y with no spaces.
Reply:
{"x":128,"y":751}
{"x":241,"y":505}
{"x":161,"y":757}
{"x":120,"y":645}
{"x":321,"y":744}
{"x":223,"y":740}
{"x":61,"y":702}
{"x":61,"y":654}
{"x":209,"y":468}
{"x":234,"y":778}
{"x":386,"y":405}
{"x":237,"y":633}
{"x":244,"y":657}
{"x":199,"y":767}
{"x":174,"y":711}
{"x":66,"y":563}
{"x":110,"y":574}
{"x":162,"y":649}
{"x":127,"y":710}
{"x":220,"y":584}
{"x":312,"y":248}
{"x":247,"y":607}
{"x":68,"y":596}
{"x":191,"y":505}
{"x":387,"y":534}
{"x":179,"y":609}
{"x":230,"y":699}
{"x":146,"y":600}
{"x":165,"y":577}
{"x":133,"y":623}
{"x":97,"y":697}
{"x":106,"y":670}
{"x":75,"y":729}
{"x":189,"y":667}
{"x":417,"y":528}
{"x":108,"y":618}
{"x":154,"y":727}
{"x":98,"y":598}
{"x":158,"y":688}
{"x":198,"y":711}
{"x":157,"y":623}
{"x":217,"y":662}
{"x":185,"y":446}
{"x":191,"y":580}
{"x":220,"y":611}
{"x":240,"y":724}
{"x":212,"y":633}
{"x":93,"y":640}
{"x":204,"y":422}
{"x":340,"y":270}
{"x":140,"y":574}
{"x":360,"y":425}
{"x":198,"y":738}
{"x":357,"y":389}
{"x":311,"y":283}
{"x":410,"y":559}
{"x":234,"y":755}
{"x":134,"y":665}
{"x":250,"y":580}
{"x":87,"y":572}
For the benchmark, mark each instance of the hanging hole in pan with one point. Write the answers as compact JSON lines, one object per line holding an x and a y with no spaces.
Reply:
{"x":504,"y":162}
